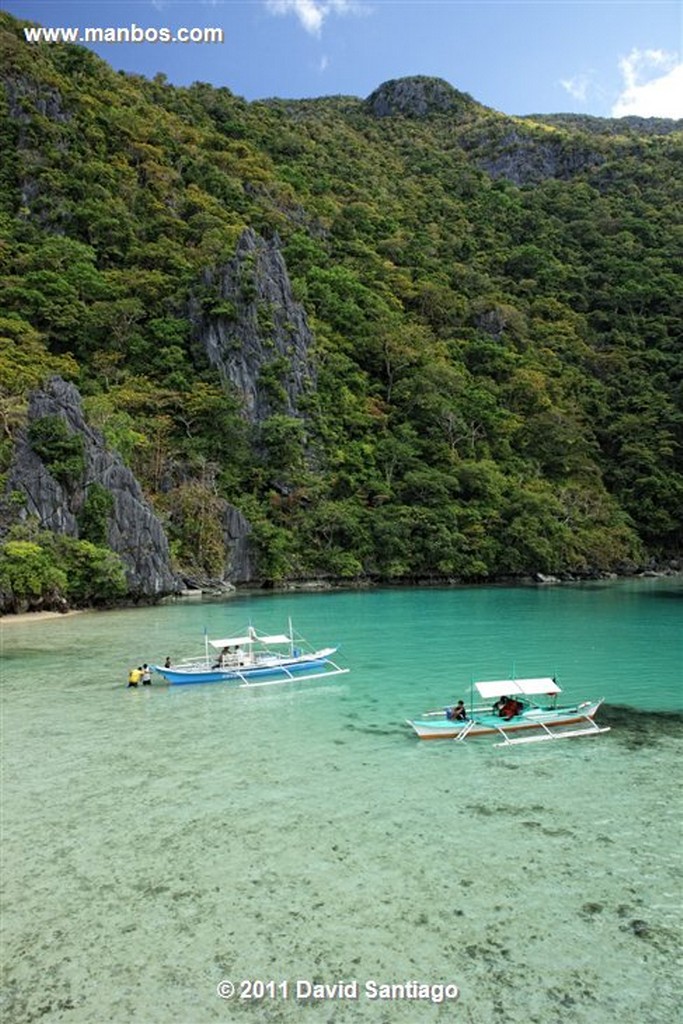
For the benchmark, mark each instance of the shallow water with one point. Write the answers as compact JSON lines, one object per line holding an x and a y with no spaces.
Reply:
{"x":159,"y":841}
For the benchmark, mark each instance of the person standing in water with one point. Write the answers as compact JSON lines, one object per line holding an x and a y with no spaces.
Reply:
{"x":134,"y":676}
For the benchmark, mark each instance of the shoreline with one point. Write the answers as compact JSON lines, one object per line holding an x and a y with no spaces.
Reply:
{"x":327,"y":586}
{"x":24,"y":617}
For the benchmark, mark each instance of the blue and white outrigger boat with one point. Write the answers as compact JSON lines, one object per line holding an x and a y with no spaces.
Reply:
{"x":253,"y":659}
{"x":513,"y":713}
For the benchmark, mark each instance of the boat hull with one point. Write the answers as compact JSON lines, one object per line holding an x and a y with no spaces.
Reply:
{"x":535,"y":719}
{"x":276,"y":670}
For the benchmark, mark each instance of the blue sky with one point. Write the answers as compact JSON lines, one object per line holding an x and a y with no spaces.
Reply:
{"x":602,"y":57}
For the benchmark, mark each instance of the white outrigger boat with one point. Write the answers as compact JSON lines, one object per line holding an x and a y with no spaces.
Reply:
{"x":253,"y":659}
{"x":514,"y":713}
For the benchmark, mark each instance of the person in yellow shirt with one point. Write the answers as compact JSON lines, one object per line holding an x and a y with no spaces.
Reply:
{"x":134,"y":676}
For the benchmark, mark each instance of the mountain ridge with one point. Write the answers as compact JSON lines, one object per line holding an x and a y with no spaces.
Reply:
{"x":492,"y":302}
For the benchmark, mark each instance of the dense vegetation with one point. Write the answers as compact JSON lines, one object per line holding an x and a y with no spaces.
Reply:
{"x":499,"y":365}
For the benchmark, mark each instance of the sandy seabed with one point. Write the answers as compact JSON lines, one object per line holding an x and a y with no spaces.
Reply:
{"x":161,"y":843}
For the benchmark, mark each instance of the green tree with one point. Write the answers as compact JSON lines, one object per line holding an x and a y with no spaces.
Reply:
{"x":94,"y":574}
{"x":29,"y":575}
{"x":93,"y":519}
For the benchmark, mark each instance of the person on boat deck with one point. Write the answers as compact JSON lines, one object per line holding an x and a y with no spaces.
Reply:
{"x":511,"y":708}
{"x":134,"y":676}
{"x":167,"y":663}
{"x":221,"y":658}
{"x":497,"y":708}
{"x":460,"y":712}
{"x":146,"y":675}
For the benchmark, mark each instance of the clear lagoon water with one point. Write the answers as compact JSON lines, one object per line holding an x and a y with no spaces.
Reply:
{"x":159,"y":842}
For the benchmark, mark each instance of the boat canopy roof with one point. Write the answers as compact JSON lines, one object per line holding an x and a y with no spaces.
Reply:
{"x":252,"y":637}
{"x":510,"y":687}
{"x":232,"y":641}
{"x":276,"y":638}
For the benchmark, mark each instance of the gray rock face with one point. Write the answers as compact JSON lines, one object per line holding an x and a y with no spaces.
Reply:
{"x":241,"y":567}
{"x":418,"y":96}
{"x":26,"y":96}
{"x":133,"y":532}
{"x":258,"y":337}
{"x":527,"y":160}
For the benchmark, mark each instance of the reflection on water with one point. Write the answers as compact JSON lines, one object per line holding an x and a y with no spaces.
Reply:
{"x":159,"y":841}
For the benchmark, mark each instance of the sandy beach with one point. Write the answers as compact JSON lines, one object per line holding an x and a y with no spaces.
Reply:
{"x":23,"y":617}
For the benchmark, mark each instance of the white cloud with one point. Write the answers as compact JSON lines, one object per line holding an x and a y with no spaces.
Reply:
{"x":312,"y":13}
{"x":309,"y":12}
{"x":652,"y":85}
{"x":577,"y":87}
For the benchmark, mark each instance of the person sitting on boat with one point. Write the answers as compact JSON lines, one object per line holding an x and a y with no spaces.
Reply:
{"x":460,"y":712}
{"x":497,"y":708}
{"x":221,"y":658}
{"x":511,"y":708}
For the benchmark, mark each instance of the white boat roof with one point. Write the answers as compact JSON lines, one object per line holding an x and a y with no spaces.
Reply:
{"x":276,"y":638}
{"x":251,"y":638}
{"x":232,"y":641}
{"x":510,"y":687}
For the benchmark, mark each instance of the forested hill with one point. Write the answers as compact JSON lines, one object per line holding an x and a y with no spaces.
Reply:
{"x":400,"y":337}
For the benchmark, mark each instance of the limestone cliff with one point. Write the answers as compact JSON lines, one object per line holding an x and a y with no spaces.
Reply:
{"x":511,"y":150}
{"x":241,"y":564}
{"x":133,"y":530}
{"x":255,"y":333}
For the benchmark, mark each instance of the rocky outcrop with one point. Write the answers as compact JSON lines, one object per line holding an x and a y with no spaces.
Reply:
{"x":502,"y":147}
{"x":133,"y":530}
{"x":27,"y":97}
{"x":254,"y":332}
{"x":241,"y":567}
{"x":522,"y":156}
{"x":419,"y":96}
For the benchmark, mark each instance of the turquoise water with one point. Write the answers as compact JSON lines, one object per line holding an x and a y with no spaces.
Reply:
{"x":161,"y":841}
